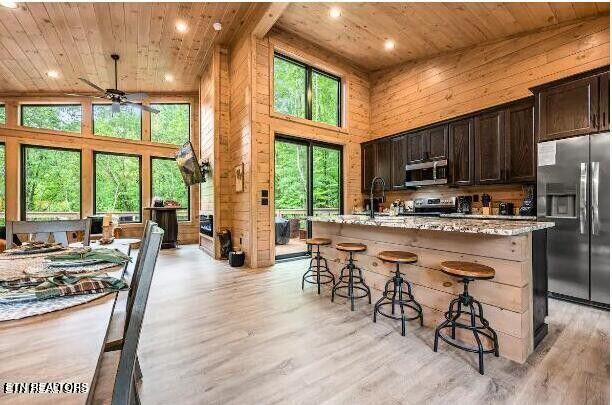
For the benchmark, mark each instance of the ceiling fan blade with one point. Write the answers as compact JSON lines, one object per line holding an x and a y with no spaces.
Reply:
{"x":83,"y":95}
{"x":92,"y":85}
{"x":143,"y":107}
{"x":115,"y":107}
{"x":135,"y":96}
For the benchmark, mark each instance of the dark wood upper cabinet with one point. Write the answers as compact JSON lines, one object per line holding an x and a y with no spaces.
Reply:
{"x":489,"y":147}
{"x":520,"y":145}
{"x":375,"y":162}
{"x":568,"y":109}
{"x":399,"y":159}
{"x":604,"y":101}
{"x":416,"y":152}
{"x":461,"y":152}
{"x":435,"y":143}
{"x":383,"y":162}
{"x":368,"y":165}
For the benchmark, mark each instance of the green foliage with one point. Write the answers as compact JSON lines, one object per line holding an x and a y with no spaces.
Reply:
{"x":289,"y":88}
{"x":53,"y":180}
{"x":124,"y":124}
{"x":325,"y":99}
{"x":2,"y":114}
{"x":56,"y":117}
{"x":117,"y":184}
{"x":2,"y":185}
{"x":167,"y":184}
{"x":171,"y":124}
{"x":326,"y":177}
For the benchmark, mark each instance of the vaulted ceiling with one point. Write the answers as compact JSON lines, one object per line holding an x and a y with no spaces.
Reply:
{"x":76,"y":40}
{"x":420,"y":30}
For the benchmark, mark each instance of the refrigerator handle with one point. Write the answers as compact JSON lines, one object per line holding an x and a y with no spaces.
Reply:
{"x":583,"y":196}
{"x":595,"y":198}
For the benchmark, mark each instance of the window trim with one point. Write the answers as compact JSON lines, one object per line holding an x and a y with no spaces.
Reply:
{"x":21,"y":124}
{"x":93,"y":123}
{"x":309,"y":94}
{"x":22,"y":176}
{"x":99,"y":152}
{"x":186,"y":187}
{"x":168,"y":103}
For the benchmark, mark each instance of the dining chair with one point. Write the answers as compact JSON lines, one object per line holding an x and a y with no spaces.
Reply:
{"x":41,"y":230}
{"x":124,"y":389}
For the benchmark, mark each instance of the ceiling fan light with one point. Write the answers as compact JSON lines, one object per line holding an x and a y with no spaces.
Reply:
{"x":8,"y":4}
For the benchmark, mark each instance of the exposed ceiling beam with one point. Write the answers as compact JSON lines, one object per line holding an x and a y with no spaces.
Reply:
{"x":270,"y":14}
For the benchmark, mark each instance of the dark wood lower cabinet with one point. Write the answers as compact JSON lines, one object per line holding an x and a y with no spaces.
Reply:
{"x":489,"y":148}
{"x":520,"y":144}
{"x":461,"y":152}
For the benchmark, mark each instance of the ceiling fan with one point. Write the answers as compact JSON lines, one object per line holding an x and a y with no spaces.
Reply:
{"x":115,"y":95}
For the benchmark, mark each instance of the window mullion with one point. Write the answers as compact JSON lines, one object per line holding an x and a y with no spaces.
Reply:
{"x":308,"y":93}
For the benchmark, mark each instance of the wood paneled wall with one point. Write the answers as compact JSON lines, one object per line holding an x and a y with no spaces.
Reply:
{"x":426,"y":91}
{"x":208,"y":145}
{"x":14,"y":135}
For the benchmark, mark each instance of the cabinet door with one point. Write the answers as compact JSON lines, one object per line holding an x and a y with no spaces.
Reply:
{"x":399,"y":159}
{"x":489,"y":148}
{"x":383,"y":162}
{"x":568,"y":109}
{"x":604,"y":101}
{"x":415,"y":147}
{"x":461,"y":152}
{"x":437,"y":143}
{"x":368,"y":165}
{"x":520,"y":148}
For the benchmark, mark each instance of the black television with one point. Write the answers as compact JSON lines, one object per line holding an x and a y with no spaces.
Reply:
{"x":188,"y":164}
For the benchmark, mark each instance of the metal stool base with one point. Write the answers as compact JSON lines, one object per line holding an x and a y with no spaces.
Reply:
{"x":348,"y":282}
{"x":318,"y":274}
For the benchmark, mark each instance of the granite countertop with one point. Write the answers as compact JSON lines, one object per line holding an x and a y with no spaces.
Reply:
{"x":482,"y":216}
{"x":463,"y":225}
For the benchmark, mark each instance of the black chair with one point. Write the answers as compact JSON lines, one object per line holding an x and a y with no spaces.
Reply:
{"x":43,"y":229}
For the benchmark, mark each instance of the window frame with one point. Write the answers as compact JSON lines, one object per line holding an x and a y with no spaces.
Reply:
{"x":93,"y":123}
{"x":151,"y":104}
{"x":188,"y":188}
{"x":3,"y":145}
{"x":22,"y":175}
{"x":94,"y":170}
{"x":309,"y":94}
{"x":21,"y":105}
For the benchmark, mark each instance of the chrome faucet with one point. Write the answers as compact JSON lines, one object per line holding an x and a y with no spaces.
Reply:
{"x":372,"y":193}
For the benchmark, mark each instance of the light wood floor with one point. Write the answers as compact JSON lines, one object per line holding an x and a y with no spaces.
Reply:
{"x":218,"y":335}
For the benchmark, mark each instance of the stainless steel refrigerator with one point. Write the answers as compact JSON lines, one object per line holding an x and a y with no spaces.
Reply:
{"x":574,"y":192}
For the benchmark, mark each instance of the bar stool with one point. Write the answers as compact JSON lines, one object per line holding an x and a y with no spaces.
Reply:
{"x":396,"y":296}
{"x":351,"y":276}
{"x":467,"y":272}
{"x":314,"y":273}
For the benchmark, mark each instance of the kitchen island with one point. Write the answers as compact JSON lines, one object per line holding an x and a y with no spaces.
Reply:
{"x":514,"y":302}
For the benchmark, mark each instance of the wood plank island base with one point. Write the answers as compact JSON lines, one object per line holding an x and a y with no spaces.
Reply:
{"x":514,"y":301}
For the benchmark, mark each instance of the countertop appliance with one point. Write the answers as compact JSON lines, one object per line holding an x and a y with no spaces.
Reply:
{"x":506,"y":208}
{"x":573,"y":190}
{"x":433,"y":207}
{"x":464,"y":204}
{"x":426,"y":173}
{"x":486,"y":200}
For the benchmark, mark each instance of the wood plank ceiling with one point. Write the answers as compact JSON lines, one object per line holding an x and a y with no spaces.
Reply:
{"x":76,"y":40}
{"x":421,"y":30}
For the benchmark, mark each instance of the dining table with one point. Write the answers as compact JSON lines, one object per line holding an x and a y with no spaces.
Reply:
{"x":58,"y":351}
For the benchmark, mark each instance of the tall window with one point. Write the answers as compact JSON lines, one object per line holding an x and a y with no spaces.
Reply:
{"x":117,"y":186}
{"x":2,"y":185}
{"x":124,"y":124}
{"x":167,"y":184}
{"x":57,"y":117}
{"x":51,"y":183}
{"x":303,"y":91}
{"x":171,"y":124}
{"x":2,"y":114}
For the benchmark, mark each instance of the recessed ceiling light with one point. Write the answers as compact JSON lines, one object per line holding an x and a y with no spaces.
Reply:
{"x":169,"y":77}
{"x":9,"y":4}
{"x":53,"y":74}
{"x":181,"y":26}
{"x":217,"y":26}
{"x":335,"y":12}
{"x":389,"y":45}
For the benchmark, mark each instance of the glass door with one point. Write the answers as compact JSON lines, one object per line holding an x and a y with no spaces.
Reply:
{"x":307,"y":181}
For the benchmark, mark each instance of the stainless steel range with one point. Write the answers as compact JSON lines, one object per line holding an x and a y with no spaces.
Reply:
{"x":433,"y":207}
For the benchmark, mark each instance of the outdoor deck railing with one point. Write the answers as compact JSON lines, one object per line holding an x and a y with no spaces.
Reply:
{"x":302,"y":213}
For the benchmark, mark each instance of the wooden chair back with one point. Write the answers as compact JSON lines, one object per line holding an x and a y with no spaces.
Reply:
{"x":124,"y":391}
{"x":43,"y":229}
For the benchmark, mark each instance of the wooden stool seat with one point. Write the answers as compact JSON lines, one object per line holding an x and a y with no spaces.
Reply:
{"x":318,"y":241}
{"x":468,"y":269}
{"x":397,"y":256}
{"x":351,"y":247}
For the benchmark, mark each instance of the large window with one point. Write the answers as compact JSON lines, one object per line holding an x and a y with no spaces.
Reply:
{"x":303,"y":91}
{"x":2,"y":114}
{"x":51,"y":183}
{"x":124,"y":124}
{"x":171,"y":124}
{"x":2,"y":185}
{"x":167,"y":184}
{"x":117,"y":186}
{"x":58,"y":117}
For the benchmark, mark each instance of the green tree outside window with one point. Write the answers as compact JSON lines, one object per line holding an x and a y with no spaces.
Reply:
{"x":167,"y":184}
{"x":325,"y":100}
{"x":117,"y":186}
{"x":2,"y":114}
{"x":56,"y":117}
{"x":125,"y":124}
{"x":171,"y":124}
{"x":289,"y":88}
